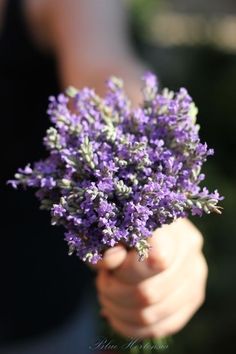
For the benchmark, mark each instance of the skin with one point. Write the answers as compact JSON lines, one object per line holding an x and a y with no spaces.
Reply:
{"x":158,"y":296}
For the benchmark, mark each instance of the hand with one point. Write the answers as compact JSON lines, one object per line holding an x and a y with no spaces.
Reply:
{"x":156,"y":297}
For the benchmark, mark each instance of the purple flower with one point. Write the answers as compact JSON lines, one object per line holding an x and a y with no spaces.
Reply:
{"x":14,"y":183}
{"x":58,"y":210}
{"x":115,"y":173}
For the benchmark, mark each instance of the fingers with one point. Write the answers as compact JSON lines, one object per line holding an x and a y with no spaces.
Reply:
{"x":163,"y":249}
{"x":125,"y":264}
{"x":185,"y":293}
{"x":162,"y":253}
{"x":112,"y":258}
{"x":108,"y":286}
{"x":144,"y":293}
{"x":168,"y":243}
{"x":158,"y":296}
{"x":153,"y":289}
{"x":166,"y":327}
{"x":147,"y":315}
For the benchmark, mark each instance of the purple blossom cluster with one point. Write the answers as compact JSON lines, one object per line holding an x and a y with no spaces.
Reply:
{"x":116,"y":173}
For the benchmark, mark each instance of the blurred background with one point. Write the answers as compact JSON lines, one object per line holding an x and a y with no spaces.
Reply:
{"x":192,"y":43}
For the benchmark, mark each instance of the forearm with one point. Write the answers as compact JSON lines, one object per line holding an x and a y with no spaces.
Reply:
{"x":93,"y":66}
{"x":90,"y":41}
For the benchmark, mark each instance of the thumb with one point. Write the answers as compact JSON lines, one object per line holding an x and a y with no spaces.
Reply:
{"x":112,"y":258}
{"x":161,"y":255}
{"x":163,"y":249}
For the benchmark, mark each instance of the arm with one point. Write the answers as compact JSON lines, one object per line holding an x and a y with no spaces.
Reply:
{"x":89,"y":39}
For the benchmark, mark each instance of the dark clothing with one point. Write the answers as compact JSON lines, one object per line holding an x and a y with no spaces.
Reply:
{"x":40,"y":285}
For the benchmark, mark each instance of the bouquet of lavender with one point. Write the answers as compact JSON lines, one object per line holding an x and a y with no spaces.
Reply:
{"x":116,"y":173}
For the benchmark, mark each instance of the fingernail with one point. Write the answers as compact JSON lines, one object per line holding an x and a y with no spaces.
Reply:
{"x":161,"y":260}
{"x":113,"y":250}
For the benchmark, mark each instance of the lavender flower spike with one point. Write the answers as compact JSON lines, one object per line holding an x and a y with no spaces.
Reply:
{"x":115,"y":173}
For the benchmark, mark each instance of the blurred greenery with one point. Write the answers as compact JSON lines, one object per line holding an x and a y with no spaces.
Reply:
{"x":141,"y":12}
{"x":210,"y":77}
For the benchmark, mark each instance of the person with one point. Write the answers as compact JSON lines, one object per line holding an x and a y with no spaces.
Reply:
{"x":45,"y":46}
